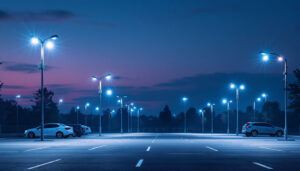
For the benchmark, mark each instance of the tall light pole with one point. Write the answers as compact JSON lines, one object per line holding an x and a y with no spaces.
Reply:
{"x":202,"y":119}
{"x":212,"y":115}
{"x":77,"y":110}
{"x":237,"y":89}
{"x":227,"y":102}
{"x":280,"y":59}
{"x":17,"y":118}
{"x":99,"y":79}
{"x":138,"y":118}
{"x":129,"y":115}
{"x":254,"y":107}
{"x":184,"y":100}
{"x":121,"y":98}
{"x":49,"y":44}
{"x":265,"y":96}
{"x":87,"y":104}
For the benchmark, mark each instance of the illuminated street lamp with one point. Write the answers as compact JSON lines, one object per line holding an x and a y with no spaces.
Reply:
{"x":121,"y":98}
{"x":17,"y":121}
{"x":109,"y":92}
{"x":227,"y":102}
{"x":264,"y":95}
{"x":184,"y":100}
{"x":254,"y":106}
{"x":60,"y":101}
{"x":77,"y":110}
{"x":237,"y":89}
{"x":202,"y":119}
{"x":280,"y":59}
{"x":138,"y":118}
{"x":212,"y":115}
{"x":130,"y":110}
{"x":49,"y":44}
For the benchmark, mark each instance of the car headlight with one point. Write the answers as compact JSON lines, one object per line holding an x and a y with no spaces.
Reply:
{"x":25,"y":131}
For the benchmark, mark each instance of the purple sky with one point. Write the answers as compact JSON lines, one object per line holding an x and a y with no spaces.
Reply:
{"x":159,"y":51}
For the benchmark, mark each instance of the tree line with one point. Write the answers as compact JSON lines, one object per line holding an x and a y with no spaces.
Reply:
{"x":29,"y":117}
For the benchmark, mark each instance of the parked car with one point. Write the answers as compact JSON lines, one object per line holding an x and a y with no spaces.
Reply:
{"x":87,"y":130}
{"x":261,"y":128}
{"x":78,"y":129}
{"x":50,"y":130}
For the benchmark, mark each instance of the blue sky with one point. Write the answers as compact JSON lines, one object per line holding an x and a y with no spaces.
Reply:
{"x":145,"y":44}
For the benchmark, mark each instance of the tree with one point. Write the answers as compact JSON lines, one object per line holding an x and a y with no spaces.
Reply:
{"x":272,"y":114}
{"x":165,"y":116}
{"x":294,"y":97}
{"x":51,"y":110}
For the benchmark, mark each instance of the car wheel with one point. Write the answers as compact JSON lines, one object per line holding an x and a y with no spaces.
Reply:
{"x":59,"y":135}
{"x":254,"y":133}
{"x":31,"y":135}
{"x":279,"y":133}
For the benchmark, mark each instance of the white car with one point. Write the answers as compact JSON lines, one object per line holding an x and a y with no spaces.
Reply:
{"x":256,"y":128}
{"x":50,"y":130}
{"x":87,"y":129}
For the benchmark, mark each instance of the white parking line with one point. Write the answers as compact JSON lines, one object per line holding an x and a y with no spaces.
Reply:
{"x":30,"y":168}
{"x":148,"y":149}
{"x":97,"y":147}
{"x":262,"y":165}
{"x":140,"y":162}
{"x":211,"y":148}
{"x":271,"y":149}
{"x":40,"y":148}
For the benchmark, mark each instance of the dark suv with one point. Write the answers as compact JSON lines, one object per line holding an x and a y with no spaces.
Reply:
{"x":78,"y":129}
{"x":255,"y":128}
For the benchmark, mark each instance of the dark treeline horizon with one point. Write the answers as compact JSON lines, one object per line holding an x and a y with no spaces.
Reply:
{"x":164,"y":122}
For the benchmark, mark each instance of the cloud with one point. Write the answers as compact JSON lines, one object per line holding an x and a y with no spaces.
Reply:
{"x":43,"y":16}
{"x":13,"y":87}
{"x":23,"y":67}
{"x":97,"y":24}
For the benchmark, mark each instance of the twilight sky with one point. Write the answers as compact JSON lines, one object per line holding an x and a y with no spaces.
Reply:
{"x":158,"y":51}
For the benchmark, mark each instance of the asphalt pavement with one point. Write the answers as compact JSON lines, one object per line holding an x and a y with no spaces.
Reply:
{"x":151,"y":151}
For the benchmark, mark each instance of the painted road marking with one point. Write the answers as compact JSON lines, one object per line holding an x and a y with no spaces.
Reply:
{"x":96,"y":147}
{"x":30,"y":168}
{"x":148,"y":149}
{"x":34,"y":149}
{"x":262,"y":165}
{"x":140,"y":162}
{"x":270,"y":149}
{"x":211,"y":148}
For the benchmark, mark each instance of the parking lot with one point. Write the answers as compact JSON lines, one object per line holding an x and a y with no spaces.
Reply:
{"x":149,"y":151}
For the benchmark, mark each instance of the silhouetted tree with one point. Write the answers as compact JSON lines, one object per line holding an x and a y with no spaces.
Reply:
{"x":165,"y":117}
{"x":51,"y":110}
{"x":272,"y":114}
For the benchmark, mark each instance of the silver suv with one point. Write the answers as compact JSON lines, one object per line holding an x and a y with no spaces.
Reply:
{"x":255,"y":128}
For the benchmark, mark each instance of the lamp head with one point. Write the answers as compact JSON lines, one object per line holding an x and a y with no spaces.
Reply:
{"x":184,"y":99}
{"x":242,"y":87}
{"x":109,"y":92}
{"x":54,"y":37}
{"x":224,"y":101}
{"x":265,"y":57}
{"x":34,"y":41}
{"x":18,"y":96}
{"x":258,"y":99}
{"x":108,"y":77}
{"x":94,"y":78}
{"x":232,"y":85}
{"x":77,"y":107}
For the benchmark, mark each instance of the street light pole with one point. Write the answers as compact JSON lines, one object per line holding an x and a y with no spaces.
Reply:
{"x":285,"y":100}
{"x":254,"y":106}
{"x":237,"y":111}
{"x":184,"y":99}
{"x":121,"y":112}
{"x":36,"y":41}
{"x":100,"y":102}
{"x":228,"y":113}
{"x":77,"y":109}
{"x":17,"y":117}
{"x":265,"y":58}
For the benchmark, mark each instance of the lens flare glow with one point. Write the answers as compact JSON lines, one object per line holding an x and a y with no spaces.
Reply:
{"x":34,"y":41}
{"x":109,"y":92}
{"x":224,"y":101}
{"x":184,"y":99}
{"x":232,"y":86}
{"x":50,"y":45}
